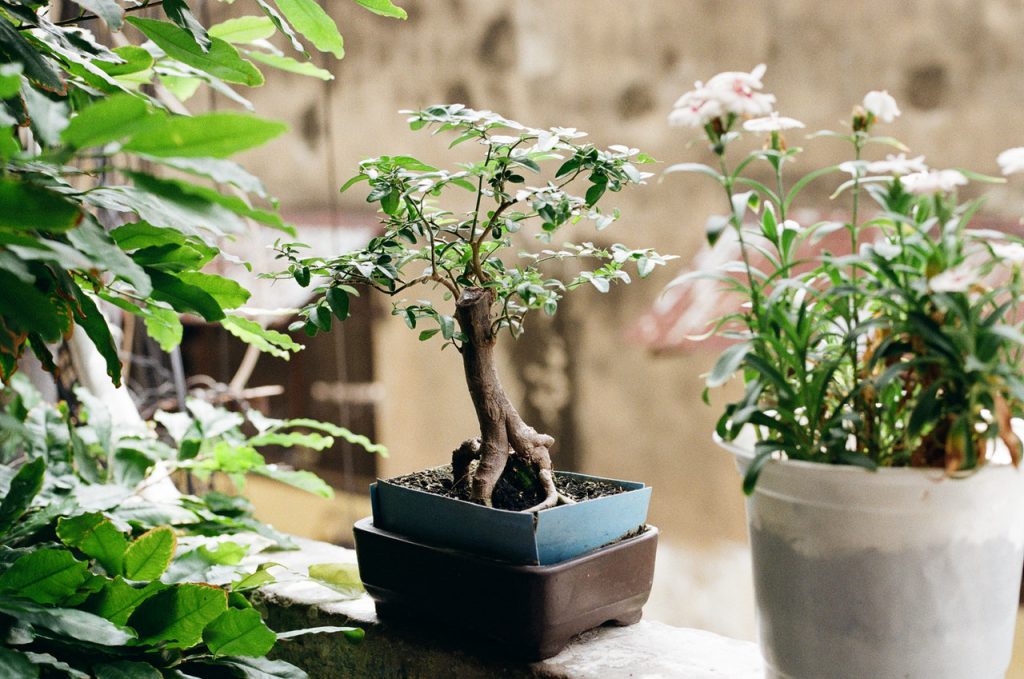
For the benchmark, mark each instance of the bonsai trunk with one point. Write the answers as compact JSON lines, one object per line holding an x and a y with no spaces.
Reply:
{"x":502,"y":431}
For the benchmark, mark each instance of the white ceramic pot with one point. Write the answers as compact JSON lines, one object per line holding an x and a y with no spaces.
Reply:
{"x":901,"y":573}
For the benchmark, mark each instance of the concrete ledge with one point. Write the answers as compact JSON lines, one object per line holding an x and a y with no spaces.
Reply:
{"x":646,"y":650}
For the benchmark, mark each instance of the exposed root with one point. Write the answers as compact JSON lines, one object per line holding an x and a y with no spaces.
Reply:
{"x":462,"y":458}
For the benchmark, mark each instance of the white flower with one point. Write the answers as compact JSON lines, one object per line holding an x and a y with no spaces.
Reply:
{"x":1012,"y":252}
{"x":771,"y":123}
{"x":959,"y":279}
{"x":546,"y":141}
{"x":792,"y":225}
{"x":501,"y":140}
{"x":886,"y":249}
{"x":568,"y":132}
{"x":1011,"y":160}
{"x":732,"y":92}
{"x":881,"y":105}
{"x":696,"y":108}
{"x":898,"y":165}
{"x":933,"y":181}
{"x":855,"y":168}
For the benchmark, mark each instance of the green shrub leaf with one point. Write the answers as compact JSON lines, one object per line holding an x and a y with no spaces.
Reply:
{"x":215,"y":135}
{"x":310,"y":20}
{"x":239,"y":632}
{"x":46,"y":575}
{"x":25,"y":485}
{"x":96,"y":536}
{"x":384,"y":8}
{"x":149,"y":555}
{"x":221,"y":60}
{"x":178,"y":615}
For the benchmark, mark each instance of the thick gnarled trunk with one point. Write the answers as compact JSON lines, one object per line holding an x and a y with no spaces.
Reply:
{"x":502,"y":430}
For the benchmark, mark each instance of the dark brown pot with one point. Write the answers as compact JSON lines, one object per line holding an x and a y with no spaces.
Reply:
{"x":526,"y":612}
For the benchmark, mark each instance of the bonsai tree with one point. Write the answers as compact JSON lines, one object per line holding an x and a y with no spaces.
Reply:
{"x":489,"y":287}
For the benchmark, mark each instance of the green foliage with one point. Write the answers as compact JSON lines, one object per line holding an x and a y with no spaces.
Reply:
{"x":901,"y":349}
{"x":425,"y":243}
{"x":137,"y":585}
{"x":76,"y":114}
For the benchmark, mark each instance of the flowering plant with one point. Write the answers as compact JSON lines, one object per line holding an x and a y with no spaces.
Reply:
{"x":901,"y":345}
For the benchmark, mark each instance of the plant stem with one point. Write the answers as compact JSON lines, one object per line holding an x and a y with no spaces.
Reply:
{"x":91,"y":17}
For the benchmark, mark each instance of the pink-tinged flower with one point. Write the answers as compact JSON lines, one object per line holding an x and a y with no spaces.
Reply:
{"x":1011,"y":161}
{"x":732,"y":92}
{"x":959,"y":279}
{"x":897,"y":165}
{"x":772,"y":123}
{"x":696,"y":108}
{"x":881,"y":105}
{"x":1009,"y":252}
{"x":933,"y":181}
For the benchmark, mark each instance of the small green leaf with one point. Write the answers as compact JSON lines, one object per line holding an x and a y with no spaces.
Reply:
{"x":728,"y":363}
{"x":338,"y":300}
{"x":95,"y":536}
{"x":270,"y":341}
{"x":108,"y":10}
{"x":164,"y":326}
{"x":310,"y":20}
{"x":243,"y":30}
{"x":341,"y":577}
{"x":90,"y":319}
{"x":46,"y":576}
{"x":183,"y":296}
{"x":301,"y":479}
{"x":384,"y":8}
{"x":239,"y":632}
{"x":228,"y":293}
{"x":290,"y":65}
{"x":149,"y":555}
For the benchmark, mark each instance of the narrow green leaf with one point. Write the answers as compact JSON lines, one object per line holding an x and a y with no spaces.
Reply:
{"x":243,"y":30}
{"x":178,"y":12}
{"x":69,"y":622}
{"x":728,"y":363}
{"x":45,"y":576}
{"x":10,"y":80}
{"x":384,"y":8}
{"x":110,"y":119}
{"x":311,"y":21}
{"x":222,"y":60}
{"x":217,"y":135}
{"x":24,"y":487}
{"x":239,"y":632}
{"x":178,"y":615}
{"x":96,"y":536}
{"x":351,"y":633}
{"x":92,"y":321}
{"x":14,"y":664}
{"x":15,"y":48}
{"x":301,"y":479}
{"x":108,"y":10}
{"x":290,"y":65}
{"x":270,"y":341}
{"x":149,"y":555}
{"x":28,"y":206}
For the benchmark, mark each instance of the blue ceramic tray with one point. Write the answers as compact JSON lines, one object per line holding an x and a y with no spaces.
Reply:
{"x":546,"y":537}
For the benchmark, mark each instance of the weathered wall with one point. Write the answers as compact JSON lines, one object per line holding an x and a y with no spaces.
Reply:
{"x":614,"y":68}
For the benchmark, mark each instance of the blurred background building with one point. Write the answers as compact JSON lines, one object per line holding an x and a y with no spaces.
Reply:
{"x":618,"y":406}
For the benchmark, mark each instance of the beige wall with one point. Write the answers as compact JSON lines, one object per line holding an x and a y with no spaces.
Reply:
{"x":614,"y":68}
